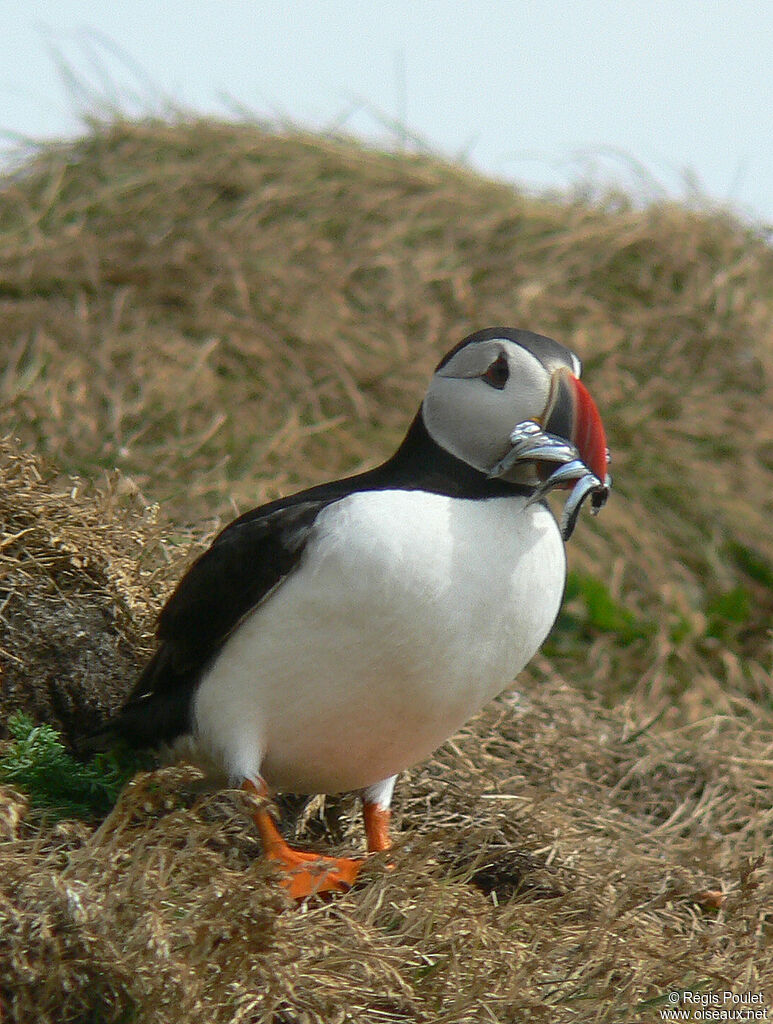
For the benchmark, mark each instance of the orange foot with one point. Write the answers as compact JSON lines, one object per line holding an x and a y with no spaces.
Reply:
{"x":307,"y":874}
{"x":303,"y":874}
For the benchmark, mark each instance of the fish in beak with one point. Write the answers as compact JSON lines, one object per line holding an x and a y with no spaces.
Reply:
{"x":568,"y":446}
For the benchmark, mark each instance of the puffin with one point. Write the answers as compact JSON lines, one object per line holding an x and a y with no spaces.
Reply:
{"x":330,"y":639}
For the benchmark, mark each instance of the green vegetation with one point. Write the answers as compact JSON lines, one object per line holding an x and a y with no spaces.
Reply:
{"x":588,"y":610}
{"x":37,"y":763}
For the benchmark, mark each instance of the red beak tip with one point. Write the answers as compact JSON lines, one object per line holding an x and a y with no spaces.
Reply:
{"x":590,"y":437}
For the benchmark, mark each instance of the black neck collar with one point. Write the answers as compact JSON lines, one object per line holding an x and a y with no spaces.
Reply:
{"x":420,"y":463}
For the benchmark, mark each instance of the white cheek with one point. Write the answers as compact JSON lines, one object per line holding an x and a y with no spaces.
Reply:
{"x":461,"y":416}
{"x":473,"y":421}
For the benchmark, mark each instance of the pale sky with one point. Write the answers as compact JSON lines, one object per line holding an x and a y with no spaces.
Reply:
{"x":648,"y":92}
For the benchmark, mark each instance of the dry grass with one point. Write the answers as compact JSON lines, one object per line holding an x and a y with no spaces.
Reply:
{"x":78,"y":570}
{"x":598,"y":850}
{"x":227,"y":314}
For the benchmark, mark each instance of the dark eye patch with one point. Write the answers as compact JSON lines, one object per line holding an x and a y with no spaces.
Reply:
{"x":498,"y":373}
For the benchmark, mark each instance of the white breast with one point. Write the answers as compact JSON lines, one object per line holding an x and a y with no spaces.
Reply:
{"x":409,"y":611}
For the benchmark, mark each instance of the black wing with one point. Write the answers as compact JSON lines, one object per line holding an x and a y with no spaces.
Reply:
{"x":244,"y":564}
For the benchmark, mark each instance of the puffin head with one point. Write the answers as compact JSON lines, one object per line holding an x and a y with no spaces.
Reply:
{"x":500,"y":377}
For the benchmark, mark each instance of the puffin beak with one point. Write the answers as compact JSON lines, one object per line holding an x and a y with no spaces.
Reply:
{"x":572,"y":415}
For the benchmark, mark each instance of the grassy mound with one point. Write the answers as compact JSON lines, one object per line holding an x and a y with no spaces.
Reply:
{"x":77,"y":574}
{"x":551,"y":865}
{"x":226,"y":314}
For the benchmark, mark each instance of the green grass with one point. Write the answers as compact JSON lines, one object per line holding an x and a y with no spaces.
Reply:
{"x":37,"y":763}
{"x":589,"y":609}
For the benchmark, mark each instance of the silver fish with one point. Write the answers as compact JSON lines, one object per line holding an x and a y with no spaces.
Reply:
{"x":531,"y":444}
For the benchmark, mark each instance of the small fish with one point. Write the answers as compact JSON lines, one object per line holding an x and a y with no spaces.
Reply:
{"x":531,"y":444}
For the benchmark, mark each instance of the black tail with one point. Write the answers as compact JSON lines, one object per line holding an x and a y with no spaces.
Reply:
{"x":157,"y":711}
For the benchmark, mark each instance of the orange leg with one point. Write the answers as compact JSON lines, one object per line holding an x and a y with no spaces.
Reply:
{"x":304,"y":874}
{"x":376,"y":826}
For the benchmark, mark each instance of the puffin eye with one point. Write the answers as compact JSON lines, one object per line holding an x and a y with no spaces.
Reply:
{"x":498,"y":373}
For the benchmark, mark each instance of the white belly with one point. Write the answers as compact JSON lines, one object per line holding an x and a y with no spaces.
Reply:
{"x":409,"y":611}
